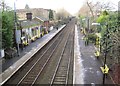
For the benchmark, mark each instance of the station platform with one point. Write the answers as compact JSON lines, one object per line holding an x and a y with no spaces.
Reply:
{"x":11,"y":66}
{"x":86,"y":66}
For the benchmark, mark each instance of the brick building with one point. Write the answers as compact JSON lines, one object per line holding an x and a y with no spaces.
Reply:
{"x":35,"y":12}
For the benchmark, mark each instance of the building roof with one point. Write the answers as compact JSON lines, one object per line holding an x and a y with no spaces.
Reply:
{"x":28,"y":23}
{"x":35,"y":11}
{"x":41,"y":18}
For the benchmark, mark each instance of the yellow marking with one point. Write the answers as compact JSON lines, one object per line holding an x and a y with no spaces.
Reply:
{"x":25,"y":42}
{"x":97,"y":53}
{"x":106,"y":70}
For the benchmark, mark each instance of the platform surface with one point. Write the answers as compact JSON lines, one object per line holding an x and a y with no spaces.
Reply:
{"x":86,"y":66}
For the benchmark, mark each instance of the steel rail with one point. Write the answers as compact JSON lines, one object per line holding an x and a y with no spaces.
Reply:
{"x":53,"y":78}
{"x":46,"y":62}
{"x":69,"y":65}
{"x":38,"y":60}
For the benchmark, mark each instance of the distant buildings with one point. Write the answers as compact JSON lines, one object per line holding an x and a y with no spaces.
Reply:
{"x":21,"y":13}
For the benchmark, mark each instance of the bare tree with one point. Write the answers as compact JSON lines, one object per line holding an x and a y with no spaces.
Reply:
{"x":90,"y":7}
{"x":4,"y":6}
{"x":27,"y":6}
{"x":62,"y":13}
{"x":94,"y":9}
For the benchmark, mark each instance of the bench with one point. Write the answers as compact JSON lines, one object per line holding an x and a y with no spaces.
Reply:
{"x":106,"y":70}
{"x":10,"y":52}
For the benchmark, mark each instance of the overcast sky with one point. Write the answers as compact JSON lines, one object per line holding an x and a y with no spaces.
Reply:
{"x":71,"y":6}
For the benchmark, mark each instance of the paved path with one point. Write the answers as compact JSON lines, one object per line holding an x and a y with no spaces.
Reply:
{"x":87,"y":67}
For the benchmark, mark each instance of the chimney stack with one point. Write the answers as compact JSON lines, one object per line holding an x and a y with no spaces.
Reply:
{"x":29,"y":16}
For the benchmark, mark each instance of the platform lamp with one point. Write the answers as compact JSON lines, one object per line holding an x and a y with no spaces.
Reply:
{"x":99,"y":35}
{"x":106,"y":51}
{"x":16,"y":35}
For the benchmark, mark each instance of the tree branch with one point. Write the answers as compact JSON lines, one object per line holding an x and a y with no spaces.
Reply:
{"x":90,"y":10}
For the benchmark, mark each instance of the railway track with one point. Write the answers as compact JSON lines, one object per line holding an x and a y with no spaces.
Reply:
{"x":59,"y":49}
{"x":64,"y":50}
{"x":39,"y":65}
{"x":61,"y":73}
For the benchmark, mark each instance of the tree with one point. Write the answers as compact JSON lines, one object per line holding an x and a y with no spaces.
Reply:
{"x":7,"y":29}
{"x":51,"y":17}
{"x":4,"y":6}
{"x":62,"y":14}
{"x":27,"y":6}
{"x":112,"y":38}
{"x":84,"y":10}
{"x":93,"y":10}
{"x":90,"y":8}
{"x":102,"y":19}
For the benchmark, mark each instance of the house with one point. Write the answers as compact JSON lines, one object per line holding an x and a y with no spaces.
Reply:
{"x":30,"y":29}
{"x":45,"y":22}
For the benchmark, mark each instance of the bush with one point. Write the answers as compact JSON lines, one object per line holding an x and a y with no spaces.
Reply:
{"x":92,"y":38}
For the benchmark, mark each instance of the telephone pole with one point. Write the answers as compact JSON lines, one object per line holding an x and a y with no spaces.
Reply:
{"x":16,"y":36}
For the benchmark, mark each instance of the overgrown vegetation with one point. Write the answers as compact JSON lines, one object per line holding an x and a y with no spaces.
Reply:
{"x":109,"y":29}
{"x":7,"y":30}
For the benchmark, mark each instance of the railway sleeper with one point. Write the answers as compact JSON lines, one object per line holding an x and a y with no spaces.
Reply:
{"x":60,"y":77}
{"x":32,"y":75}
{"x":30,"y":79}
{"x":35,"y":71}
{"x":27,"y":81}
{"x":62,"y":73}
{"x":37,"y":67}
{"x":63,"y":68}
{"x":59,"y":82}
{"x":64,"y":65}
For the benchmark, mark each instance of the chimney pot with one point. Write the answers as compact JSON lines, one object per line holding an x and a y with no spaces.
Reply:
{"x":29,"y":16}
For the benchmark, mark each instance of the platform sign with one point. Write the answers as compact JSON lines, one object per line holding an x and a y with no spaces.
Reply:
{"x":2,"y":54}
{"x":95,"y":24}
{"x":18,"y":36}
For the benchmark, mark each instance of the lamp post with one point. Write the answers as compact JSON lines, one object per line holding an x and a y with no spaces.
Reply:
{"x":106,"y":44}
{"x":98,"y":34}
{"x":88,"y":23}
{"x":16,"y":35}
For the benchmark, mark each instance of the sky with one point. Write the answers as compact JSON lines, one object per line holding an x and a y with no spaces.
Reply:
{"x":71,"y":6}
